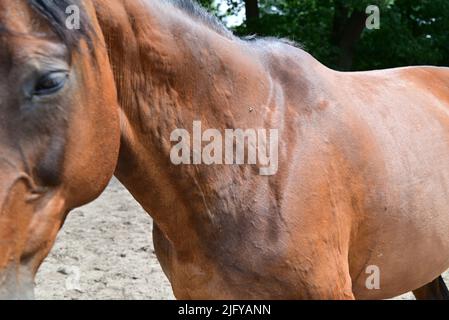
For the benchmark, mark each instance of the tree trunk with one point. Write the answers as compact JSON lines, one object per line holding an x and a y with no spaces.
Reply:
{"x":347,"y":30}
{"x":252,"y":14}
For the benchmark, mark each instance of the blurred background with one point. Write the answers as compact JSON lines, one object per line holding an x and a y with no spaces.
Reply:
{"x":411,"y":32}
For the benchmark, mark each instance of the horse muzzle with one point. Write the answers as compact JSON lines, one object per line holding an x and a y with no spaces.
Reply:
{"x":16,"y":285}
{"x":16,"y":279}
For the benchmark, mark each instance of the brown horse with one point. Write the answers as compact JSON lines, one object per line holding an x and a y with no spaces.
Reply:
{"x":362,"y":186}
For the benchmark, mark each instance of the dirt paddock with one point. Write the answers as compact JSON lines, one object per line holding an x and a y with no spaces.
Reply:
{"x":105,"y":252}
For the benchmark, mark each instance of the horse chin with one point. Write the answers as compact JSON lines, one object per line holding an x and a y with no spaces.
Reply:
{"x":14,"y":287}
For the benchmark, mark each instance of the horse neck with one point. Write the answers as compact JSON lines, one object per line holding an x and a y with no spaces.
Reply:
{"x":170,"y":71}
{"x":164,"y":59}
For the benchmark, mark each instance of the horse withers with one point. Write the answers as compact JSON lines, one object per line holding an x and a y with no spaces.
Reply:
{"x":361,"y":182}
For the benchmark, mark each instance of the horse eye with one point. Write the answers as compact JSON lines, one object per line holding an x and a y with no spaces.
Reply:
{"x":50,"y":83}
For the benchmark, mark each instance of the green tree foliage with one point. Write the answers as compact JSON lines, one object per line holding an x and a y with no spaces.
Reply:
{"x":412,"y":32}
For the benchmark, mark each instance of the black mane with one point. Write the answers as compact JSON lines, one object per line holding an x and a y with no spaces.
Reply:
{"x":54,"y":11}
{"x":194,"y":10}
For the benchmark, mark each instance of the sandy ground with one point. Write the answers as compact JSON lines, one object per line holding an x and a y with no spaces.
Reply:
{"x":105,"y":252}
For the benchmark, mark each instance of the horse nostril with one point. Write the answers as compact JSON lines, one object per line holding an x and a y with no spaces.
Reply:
{"x":36,"y":194}
{"x":33,"y":197}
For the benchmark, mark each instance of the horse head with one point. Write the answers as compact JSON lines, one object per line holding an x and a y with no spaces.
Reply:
{"x":59,"y":128}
